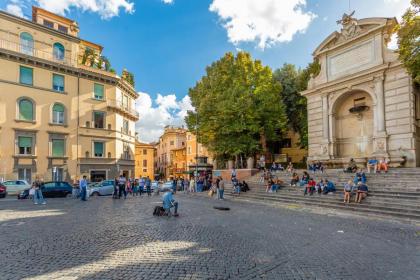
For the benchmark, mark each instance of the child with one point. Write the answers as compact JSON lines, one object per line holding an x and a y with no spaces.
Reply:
{"x":348,"y":187}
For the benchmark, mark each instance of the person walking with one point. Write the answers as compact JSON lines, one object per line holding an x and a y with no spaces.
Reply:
{"x":192,"y":185}
{"x":38,"y":197}
{"x":186,"y":185}
{"x":221,"y":188}
{"x":83,"y":188}
{"x":142,"y":184}
{"x":122,"y":181}
{"x":148,"y":184}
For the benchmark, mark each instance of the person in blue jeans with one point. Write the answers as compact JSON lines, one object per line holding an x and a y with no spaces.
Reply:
{"x":169,"y":202}
{"x":360,"y":177}
{"x":148,"y":184}
{"x":38,"y":197}
{"x":330,"y":187}
{"x":83,"y":188}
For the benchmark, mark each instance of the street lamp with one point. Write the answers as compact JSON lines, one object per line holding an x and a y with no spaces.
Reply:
{"x":196,"y":151}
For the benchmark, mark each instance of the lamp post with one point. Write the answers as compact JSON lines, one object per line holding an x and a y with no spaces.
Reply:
{"x":196,"y":151}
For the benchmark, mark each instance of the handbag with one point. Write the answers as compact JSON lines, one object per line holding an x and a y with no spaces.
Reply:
{"x":32,"y":191}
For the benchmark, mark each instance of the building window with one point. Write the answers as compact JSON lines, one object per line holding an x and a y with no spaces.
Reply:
{"x":99,"y":119}
{"x":58,"y":114}
{"x":145,"y":170}
{"x":58,"y":82}
{"x":57,"y":147}
{"x":25,"y":174}
{"x":26,"y":110}
{"x":189,"y":137}
{"x":171,"y":143}
{"x":125,"y":102}
{"x":58,"y":51}
{"x":26,"y":43}
{"x":48,"y":23}
{"x":98,"y":149}
{"x":144,"y":152}
{"x":125,"y":127}
{"x":98,"y":91}
{"x":287,"y":143}
{"x":144,"y":162}
{"x":26,"y":75}
{"x":189,"y":150}
{"x":62,"y":28}
{"x":126,"y":149}
{"x":25,"y":145}
{"x":183,"y":143}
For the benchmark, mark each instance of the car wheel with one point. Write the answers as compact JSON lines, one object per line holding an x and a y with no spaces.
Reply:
{"x":2,"y":195}
{"x":69,"y":195}
{"x":95,"y":194}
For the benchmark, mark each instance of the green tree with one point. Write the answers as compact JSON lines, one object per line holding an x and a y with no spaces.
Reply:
{"x":238,"y":107}
{"x":409,"y":40}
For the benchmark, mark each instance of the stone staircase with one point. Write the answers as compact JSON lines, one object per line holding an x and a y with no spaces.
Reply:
{"x":395,"y":194}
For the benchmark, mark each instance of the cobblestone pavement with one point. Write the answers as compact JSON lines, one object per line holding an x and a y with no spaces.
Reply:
{"x":116,"y":239}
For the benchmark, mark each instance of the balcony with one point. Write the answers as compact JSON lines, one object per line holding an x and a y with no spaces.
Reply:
{"x":124,"y":110}
{"x":38,"y":53}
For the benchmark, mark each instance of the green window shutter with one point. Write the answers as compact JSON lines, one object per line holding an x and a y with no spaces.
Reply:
{"x":98,"y":91}
{"x":58,"y":82}
{"x":98,"y":149}
{"x":26,"y":110}
{"x":26,"y":75}
{"x":25,"y":142}
{"x":58,"y":147}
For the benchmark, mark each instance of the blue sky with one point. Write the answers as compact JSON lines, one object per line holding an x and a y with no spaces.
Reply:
{"x":168,"y":43}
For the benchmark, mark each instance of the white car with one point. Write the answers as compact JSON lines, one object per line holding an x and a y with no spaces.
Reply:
{"x":15,"y":187}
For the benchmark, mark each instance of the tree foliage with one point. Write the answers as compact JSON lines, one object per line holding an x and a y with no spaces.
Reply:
{"x":293,"y":82}
{"x":409,"y":40}
{"x":128,"y":77}
{"x":238,"y":107}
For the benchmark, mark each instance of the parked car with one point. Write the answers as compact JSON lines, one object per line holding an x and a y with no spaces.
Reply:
{"x":15,"y":187}
{"x":51,"y":189}
{"x":105,"y":187}
{"x":3,"y":190}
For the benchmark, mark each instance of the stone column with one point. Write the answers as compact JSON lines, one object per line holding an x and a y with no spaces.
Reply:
{"x":380,"y":104}
{"x":325,"y":120}
{"x":380,"y":139}
{"x":325,"y":128}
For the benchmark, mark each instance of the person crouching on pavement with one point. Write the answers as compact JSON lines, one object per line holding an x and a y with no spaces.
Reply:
{"x":169,"y":202}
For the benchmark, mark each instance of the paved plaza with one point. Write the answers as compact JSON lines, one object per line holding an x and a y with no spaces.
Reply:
{"x":116,"y":239}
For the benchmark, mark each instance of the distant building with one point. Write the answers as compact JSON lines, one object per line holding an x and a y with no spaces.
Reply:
{"x":63,"y":115}
{"x":145,"y":160}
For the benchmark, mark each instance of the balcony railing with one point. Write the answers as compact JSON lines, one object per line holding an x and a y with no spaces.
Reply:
{"x":123,"y":108}
{"x":34,"y":52}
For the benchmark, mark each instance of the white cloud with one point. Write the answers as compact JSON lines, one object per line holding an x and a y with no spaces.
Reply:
{"x":168,"y":1}
{"x":105,"y":8}
{"x":14,"y":10}
{"x":155,"y":115}
{"x":264,"y":21}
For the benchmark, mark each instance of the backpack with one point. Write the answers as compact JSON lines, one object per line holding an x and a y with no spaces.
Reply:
{"x":159,"y":211}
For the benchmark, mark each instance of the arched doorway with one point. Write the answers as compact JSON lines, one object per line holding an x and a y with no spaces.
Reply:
{"x":354,"y":125}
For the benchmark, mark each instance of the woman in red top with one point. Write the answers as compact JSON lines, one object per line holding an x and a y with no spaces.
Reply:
{"x":310,"y":186}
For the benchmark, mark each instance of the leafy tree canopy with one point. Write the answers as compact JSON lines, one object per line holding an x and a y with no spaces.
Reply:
{"x":238,"y":107}
{"x":409,"y":40}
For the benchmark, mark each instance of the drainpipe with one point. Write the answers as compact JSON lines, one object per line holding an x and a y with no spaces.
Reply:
{"x":78,"y":124}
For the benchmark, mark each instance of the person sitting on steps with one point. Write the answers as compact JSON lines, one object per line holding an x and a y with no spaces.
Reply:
{"x":305,"y":179}
{"x":310,"y":187}
{"x":362,"y":192}
{"x":330,"y":187}
{"x":372,"y":162}
{"x":360,"y":177}
{"x":383,"y":165}
{"x":351,"y":167}
{"x":294,"y":180}
{"x":348,"y":188}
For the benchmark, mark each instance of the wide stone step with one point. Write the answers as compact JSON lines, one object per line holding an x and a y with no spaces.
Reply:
{"x":360,"y":208}
{"x":339,"y":198}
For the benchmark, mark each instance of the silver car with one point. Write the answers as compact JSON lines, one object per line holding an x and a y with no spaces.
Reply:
{"x":15,"y":187}
{"x":105,"y":187}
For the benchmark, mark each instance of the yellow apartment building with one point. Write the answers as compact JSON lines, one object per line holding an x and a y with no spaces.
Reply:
{"x":192,"y":153}
{"x":172,"y":138}
{"x":62,"y":113}
{"x":145,"y":160}
{"x":178,"y":166}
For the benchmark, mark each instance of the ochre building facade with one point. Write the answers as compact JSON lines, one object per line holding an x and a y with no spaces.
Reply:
{"x":61,"y":114}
